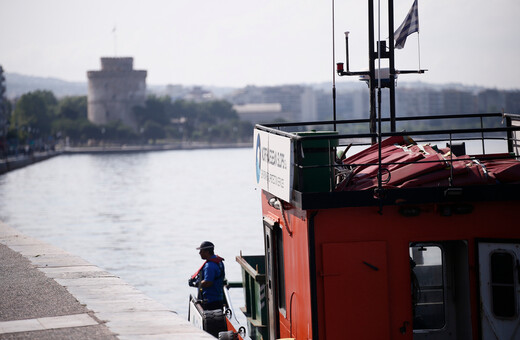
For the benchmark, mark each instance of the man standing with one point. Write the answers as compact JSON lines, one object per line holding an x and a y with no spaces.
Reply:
{"x":209,"y":278}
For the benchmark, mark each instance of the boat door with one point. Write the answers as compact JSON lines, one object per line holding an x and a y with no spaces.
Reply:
{"x":499,"y":274}
{"x":275,"y":278}
{"x":441,"y":304}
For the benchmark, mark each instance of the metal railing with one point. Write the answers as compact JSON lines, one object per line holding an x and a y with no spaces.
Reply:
{"x":467,"y":128}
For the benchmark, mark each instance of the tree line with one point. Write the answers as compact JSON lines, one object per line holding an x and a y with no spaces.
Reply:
{"x":39,"y":118}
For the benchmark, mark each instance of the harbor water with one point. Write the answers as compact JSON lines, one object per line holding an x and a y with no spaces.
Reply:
{"x":141,"y":215}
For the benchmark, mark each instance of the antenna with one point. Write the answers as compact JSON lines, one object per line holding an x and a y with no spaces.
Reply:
{"x":115,"y":40}
{"x":379,"y":113}
{"x":333,"y":69}
{"x":346,"y":50}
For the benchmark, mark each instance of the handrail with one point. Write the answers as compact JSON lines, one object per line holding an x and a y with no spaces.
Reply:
{"x":274,"y":128}
{"x":366,"y":120}
{"x":478,"y":132}
{"x":390,"y":134}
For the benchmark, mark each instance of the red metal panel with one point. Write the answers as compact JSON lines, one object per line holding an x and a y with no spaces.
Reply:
{"x":356,"y":290}
{"x":297,"y":322}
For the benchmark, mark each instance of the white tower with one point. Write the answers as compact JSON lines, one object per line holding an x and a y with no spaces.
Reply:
{"x":114,"y":91}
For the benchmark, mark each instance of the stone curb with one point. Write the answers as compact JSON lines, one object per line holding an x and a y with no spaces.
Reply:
{"x":126,"y":311}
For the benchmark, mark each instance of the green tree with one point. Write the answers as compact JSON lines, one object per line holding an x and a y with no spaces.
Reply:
{"x":187,"y":110}
{"x":70,"y":120}
{"x":33,"y":113}
{"x":182,"y":108}
{"x":48,"y":98}
{"x":154,"y":110}
{"x":90,"y":131}
{"x":118,"y":132}
{"x":66,"y":128}
{"x":74,"y":107}
{"x":5,"y":109}
{"x":38,"y":114}
{"x":206,"y":120}
{"x":243,"y":130}
{"x":77,"y":130}
{"x":153,"y":130}
{"x":218,"y":110}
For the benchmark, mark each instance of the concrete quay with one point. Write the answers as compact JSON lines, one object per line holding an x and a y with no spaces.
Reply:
{"x":108,"y":149}
{"x":47,"y":293}
{"x":16,"y":162}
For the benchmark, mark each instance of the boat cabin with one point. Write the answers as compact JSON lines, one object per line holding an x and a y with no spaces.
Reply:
{"x":415,"y":237}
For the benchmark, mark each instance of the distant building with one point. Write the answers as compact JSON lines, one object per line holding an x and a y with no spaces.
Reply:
{"x":297,"y":102}
{"x":199,"y":95}
{"x":114,"y":91}
{"x":303,"y":103}
{"x":491,"y":100}
{"x":259,"y":113}
{"x":418,"y":102}
{"x":350,"y":104}
{"x":175,"y":92}
{"x":512,"y":101}
{"x":459,"y":102}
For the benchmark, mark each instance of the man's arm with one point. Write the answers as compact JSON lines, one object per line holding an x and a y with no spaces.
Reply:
{"x":206,"y":284}
{"x":210,"y":274}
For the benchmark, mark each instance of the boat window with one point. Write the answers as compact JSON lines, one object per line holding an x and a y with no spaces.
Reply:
{"x":503,"y":284}
{"x":280,"y":268}
{"x":427,"y":277}
{"x":268,"y":258}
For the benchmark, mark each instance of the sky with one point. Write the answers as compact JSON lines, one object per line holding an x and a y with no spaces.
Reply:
{"x":263,"y":42}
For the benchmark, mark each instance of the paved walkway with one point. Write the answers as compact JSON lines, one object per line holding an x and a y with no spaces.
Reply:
{"x":47,"y":293}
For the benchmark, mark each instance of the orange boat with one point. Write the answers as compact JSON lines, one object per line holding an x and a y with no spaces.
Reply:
{"x":385,"y":234}
{"x":403,"y":240}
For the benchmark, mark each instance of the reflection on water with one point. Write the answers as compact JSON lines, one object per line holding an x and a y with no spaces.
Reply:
{"x":140,"y":216}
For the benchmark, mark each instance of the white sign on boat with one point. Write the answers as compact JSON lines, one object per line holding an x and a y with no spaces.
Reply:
{"x":274,"y":172}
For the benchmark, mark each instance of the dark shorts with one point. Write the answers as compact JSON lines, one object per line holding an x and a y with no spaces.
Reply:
{"x":213,"y":305}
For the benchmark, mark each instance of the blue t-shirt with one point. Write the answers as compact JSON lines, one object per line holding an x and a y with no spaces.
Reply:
{"x":215,"y":273}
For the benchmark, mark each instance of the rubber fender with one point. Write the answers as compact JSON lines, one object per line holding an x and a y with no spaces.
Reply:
{"x":214,"y":321}
{"x":229,"y":335}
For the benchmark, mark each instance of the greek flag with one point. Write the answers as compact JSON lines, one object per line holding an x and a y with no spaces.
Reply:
{"x":409,"y":26}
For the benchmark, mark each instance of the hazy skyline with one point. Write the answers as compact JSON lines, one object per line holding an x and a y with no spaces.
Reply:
{"x":242,"y":42}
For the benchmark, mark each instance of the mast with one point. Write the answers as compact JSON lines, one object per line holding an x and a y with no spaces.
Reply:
{"x":333,"y":71}
{"x":391,"y":63}
{"x":370,"y":75}
{"x":372,"y":68}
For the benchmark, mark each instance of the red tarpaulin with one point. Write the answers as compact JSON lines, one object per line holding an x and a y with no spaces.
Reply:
{"x":405,"y":164}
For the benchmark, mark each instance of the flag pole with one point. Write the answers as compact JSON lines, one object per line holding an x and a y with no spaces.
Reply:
{"x":418,"y":39}
{"x":115,"y":40}
{"x":419,"y":49}
{"x":333,"y":69}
